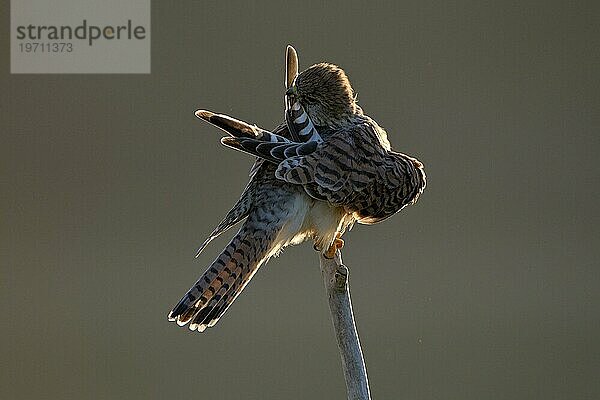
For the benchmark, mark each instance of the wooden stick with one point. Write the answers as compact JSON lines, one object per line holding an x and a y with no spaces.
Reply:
{"x":335,"y":276}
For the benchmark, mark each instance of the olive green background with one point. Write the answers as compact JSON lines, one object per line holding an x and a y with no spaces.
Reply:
{"x":488,"y":288}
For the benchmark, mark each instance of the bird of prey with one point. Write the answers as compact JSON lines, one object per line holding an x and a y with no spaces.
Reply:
{"x":324,"y":169}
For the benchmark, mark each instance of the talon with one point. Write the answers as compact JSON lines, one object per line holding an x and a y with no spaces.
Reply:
{"x":337,"y":244}
{"x":330,"y":253}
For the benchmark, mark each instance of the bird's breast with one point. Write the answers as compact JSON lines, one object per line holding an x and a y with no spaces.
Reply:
{"x":308,"y":218}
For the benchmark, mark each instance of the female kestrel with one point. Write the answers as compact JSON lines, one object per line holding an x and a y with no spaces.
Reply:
{"x":327,"y":167}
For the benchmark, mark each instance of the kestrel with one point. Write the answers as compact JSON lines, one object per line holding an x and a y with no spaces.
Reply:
{"x":327,"y":167}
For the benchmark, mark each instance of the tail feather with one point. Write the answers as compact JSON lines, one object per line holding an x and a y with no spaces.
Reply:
{"x":224,"y":280}
{"x":221,"y":305}
{"x":201,"y":319}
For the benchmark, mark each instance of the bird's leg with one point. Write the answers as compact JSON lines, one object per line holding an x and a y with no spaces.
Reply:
{"x":338,"y":243}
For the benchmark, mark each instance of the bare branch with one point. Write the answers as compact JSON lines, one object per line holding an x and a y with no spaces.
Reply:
{"x":335,"y":276}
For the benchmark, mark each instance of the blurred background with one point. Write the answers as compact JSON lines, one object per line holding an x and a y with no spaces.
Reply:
{"x":487,"y":288}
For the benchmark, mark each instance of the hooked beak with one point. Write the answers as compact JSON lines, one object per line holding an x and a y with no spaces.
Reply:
{"x":291,"y":94}
{"x":292,"y":91}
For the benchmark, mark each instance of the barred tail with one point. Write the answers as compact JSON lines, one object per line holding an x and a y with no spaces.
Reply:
{"x":224,"y":280}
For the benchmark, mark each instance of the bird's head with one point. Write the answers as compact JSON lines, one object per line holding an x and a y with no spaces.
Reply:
{"x":325,"y":92}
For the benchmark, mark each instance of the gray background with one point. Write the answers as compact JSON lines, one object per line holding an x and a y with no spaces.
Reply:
{"x":488,"y":288}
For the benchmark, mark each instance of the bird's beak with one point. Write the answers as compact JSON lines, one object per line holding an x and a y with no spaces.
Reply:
{"x":292,"y":91}
{"x":291,"y":95}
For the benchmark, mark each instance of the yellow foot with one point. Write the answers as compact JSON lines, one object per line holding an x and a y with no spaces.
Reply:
{"x":338,"y":243}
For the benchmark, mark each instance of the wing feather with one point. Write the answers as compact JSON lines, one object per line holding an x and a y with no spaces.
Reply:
{"x":338,"y":169}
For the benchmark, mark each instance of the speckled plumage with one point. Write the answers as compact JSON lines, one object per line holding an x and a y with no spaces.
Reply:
{"x":327,"y":168}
